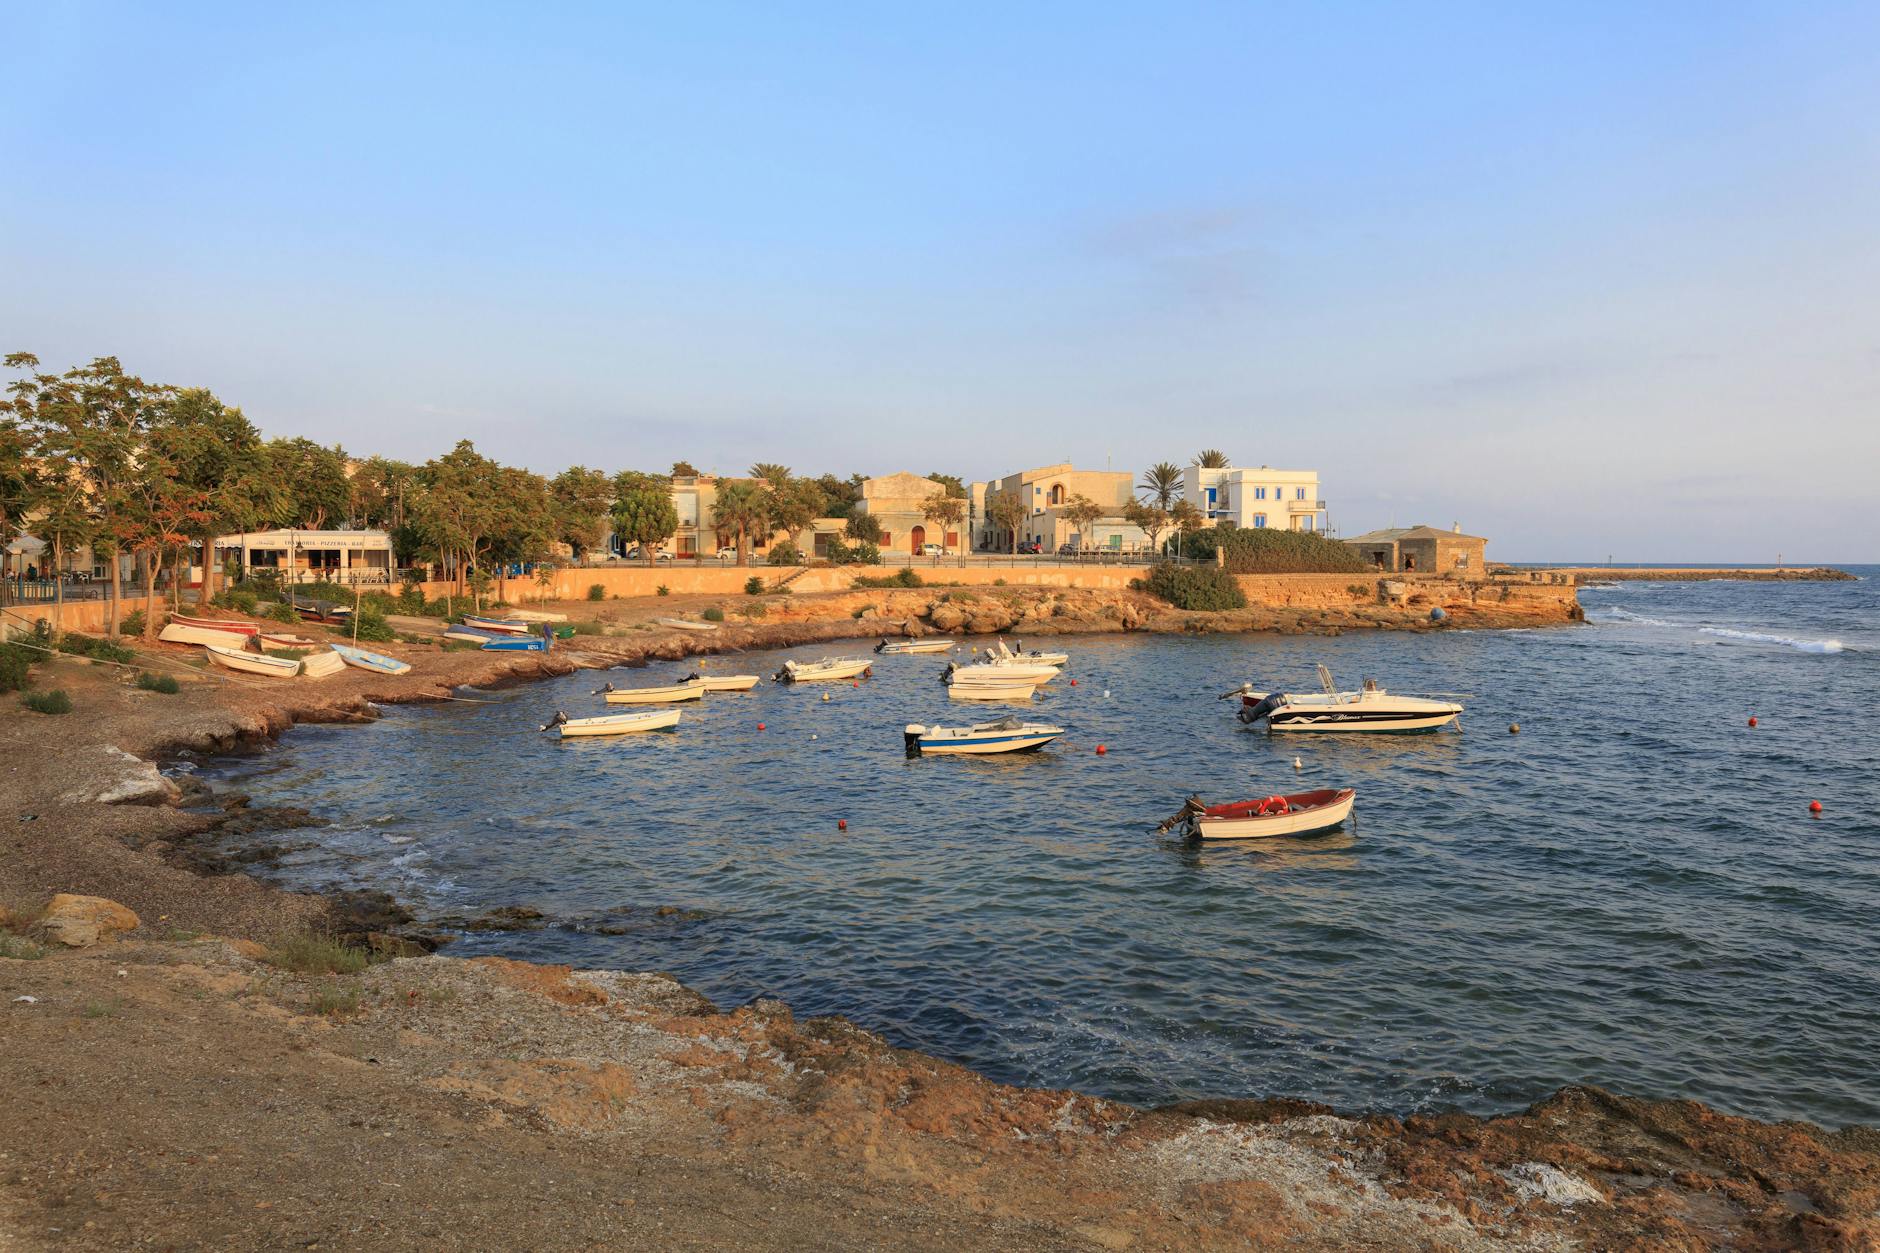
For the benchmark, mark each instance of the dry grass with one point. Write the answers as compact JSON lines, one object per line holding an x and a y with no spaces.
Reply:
{"x":311,"y":953}
{"x":19,"y":948}
{"x":334,"y":1002}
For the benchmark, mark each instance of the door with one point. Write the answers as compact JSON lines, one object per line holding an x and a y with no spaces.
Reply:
{"x":916,"y":538}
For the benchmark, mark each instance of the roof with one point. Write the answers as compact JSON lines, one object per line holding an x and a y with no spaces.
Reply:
{"x":1390,"y":535}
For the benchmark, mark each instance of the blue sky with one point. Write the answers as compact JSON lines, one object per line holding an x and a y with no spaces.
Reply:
{"x":1586,"y":278}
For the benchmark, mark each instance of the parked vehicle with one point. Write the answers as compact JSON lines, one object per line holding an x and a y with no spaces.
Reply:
{"x":728,"y":553}
{"x":934,"y":550}
{"x":1030,"y":547}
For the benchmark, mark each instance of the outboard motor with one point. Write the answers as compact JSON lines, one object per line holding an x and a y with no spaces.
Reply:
{"x":782,"y":676}
{"x":1273,"y":701}
{"x":559,"y":719}
{"x":881,"y":646}
{"x":912,"y":735}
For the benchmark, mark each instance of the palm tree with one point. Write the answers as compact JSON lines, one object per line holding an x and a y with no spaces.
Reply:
{"x":743,"y":507}
{"x":1162,"y":481}
{"x":1213,"y":459}
{"x":772,"y":473}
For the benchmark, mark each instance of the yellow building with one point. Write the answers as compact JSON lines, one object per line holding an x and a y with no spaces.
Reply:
{"x":1043,"y":494}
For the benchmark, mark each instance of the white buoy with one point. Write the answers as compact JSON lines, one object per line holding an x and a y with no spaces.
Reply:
{"x":1297,"y":764}
{"x":1106,"y":693}
{"x":825,"y":696}
{"x":812,"y":737}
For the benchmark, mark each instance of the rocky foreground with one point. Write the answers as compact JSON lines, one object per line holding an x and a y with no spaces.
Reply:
{"x":184,"y":1067}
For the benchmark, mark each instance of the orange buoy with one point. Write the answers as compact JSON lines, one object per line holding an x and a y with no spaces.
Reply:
{"x":1752,"y":720}
{"x":1101,"y":750}
{"x":1073,"y":682}
{"x":1814,"y":807}
{"x":842,"y":824}
{"x":760,"y":726}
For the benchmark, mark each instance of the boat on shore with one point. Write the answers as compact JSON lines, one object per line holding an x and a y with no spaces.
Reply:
{"x":916,"y":646}
{"x":320,"y":610}
{"x":252,"y":663}
{"x":1369,"y":709}
{"x":686,"y":624}
{"x":821,"y":671}
{"x":473,"y":635}
{"x":378,"y":663}
{"x":502,"y":626}
{"x":1016,"y":690}
{"x":1007,"y":735}
{"x":189,"y":633}
{"x":515,"y":644}
{"x":249,"y":629}
{"x":1298,"y":813}
{"x":321,"y":664}
{"x":613,"y":724}
{"x":666,"y":694}
{"x":287,"y":639}
{"x":725,"y":682}
{"x":536,"y":615}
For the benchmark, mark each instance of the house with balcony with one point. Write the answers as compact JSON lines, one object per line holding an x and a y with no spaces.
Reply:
{"x":1041,"y":496}
{"x":1286,"y":500}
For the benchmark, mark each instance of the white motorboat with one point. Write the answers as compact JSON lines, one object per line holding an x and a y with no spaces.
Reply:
{"x":319,"y":665}
{"x":665,"y":694}
{"x":1007,"y":735}
{"x":190,"y":633}
{"x":821,"y":671}
{"x":1369,"y":709}
{"x":916,"y":646}
{"x":998,"y":672}
{"x":1017,"y":690}
{"x":1300,"y":813}
{"x":724,"y":682}
{"x":999,"y":651}
{"x":614,"y":724}
{"x":252,"y":663}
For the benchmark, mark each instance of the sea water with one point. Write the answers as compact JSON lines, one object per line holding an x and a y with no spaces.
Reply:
{"x":1629,"y":892}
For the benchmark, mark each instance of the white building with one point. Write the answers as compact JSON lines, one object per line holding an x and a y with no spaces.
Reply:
{"x":295,"y":556}
{"x":1286,"y":500}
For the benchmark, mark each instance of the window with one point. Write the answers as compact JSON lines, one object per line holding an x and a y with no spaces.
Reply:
{"x":1462,"y":561}
{"x":1299,"y":493}
{"x":1210,"y":495}
{"x":1259,"y":519}
{"x":1259,"y":493}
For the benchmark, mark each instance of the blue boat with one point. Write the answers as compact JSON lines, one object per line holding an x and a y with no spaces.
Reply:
{"x":377,"y":662}
{"x":473,"y":635}
{"x":520,"y":643}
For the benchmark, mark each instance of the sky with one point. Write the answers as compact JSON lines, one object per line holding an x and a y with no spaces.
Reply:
{"x":1589,"y":279}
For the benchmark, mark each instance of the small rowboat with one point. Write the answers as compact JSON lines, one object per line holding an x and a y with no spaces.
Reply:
{"x":377,"y":662}
{"x":185,"y":633}
{"x":682,"y":624}
{"x":1008,"y":735}
{"x":503,"y":626}
{"x":724,"y":682}
{"x":915,"y":646}
{"x":319,"y":665}
{"x":998,"y":672}
{"x":217,"y":624}
{"x":283,"y":639}
{"x":536,"y":615}
{"x":821,"y":671}
{"x":614,"y":724}
{"x":473,"y":635}
{"x":1017,"y":690}
{"x":1300,"y":813}
{"x":691,"y":689}
{"x":252,"y":663}
{"x":321,"y":610}
{"x":516,"y":644}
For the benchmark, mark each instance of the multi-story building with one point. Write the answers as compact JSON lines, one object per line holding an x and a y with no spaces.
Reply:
{"x":1286,"y":500}
{"x":1043,"y":494}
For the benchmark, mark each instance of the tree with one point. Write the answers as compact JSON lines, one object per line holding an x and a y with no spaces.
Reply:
{"x":742,"y":507}
{"x":864,"y":527}
{"x":21,"y":480}
{"x":948,"y":511}
{"x":1082,"y":512}
{"x":1186,"y":517}
{"x":216,"y":452}
{"x":1162,"y":481}
{"x":526,"y":525}
{"x":684,"y":470}
{"x":583,"y":499}
{"x":794,"y":505}
{"x":643,"y":511}
{"x":1150,"y":519}
{"x":772,"y":473}
{"x":159,"y":510}
{"x":1212,"y":458}
{"x":951,"y":483}
{"x":313,"y":479}
{"x":379,"y":488}
{"x":457,"y":510}
{"x":842,"y":495}
{"x":1008,"y":513}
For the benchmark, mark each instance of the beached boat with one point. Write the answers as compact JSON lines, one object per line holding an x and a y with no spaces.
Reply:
{"x":1299,"y":813}
{"x":683,"y":624}
{"x":725,"y":682}
{"x":1016,"y":690}
{"x":516,"y":644}
{"x":614,"y":724}
{"x":252,"y":663}
{"x":364,"y":660}
{"x":502,"y":626}
{"x":320,"y":610}
{"x":916,"y":646}
{"x":319,"y":665}
{"x":666,"y":694}
{"x":287,"y":639}
{"x":1001,"y":653}
{"x":473,"y":635}
{"x":997,"y":672}
{"x":250,"y":629}
{"x":1007,"y":735}
{"x":819,"y":671}
{"x":1369,"y":709}
{"x":182,"y":633}
{"x":536,"y":615}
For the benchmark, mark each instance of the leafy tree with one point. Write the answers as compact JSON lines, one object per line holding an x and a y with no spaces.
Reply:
{"x":684,"y":470}
{"x":526,"y":525}
{"x":457,"y":511}
{"x":643,"y":511}
{"x":794,"y":504}
{"x":1152,"y":520}
{"x":313,"y":479}
{"x":1162,"y":481}
{"x":21,"y":481}
{"x":380,"y":488}
{"x":1186,"y":518}
{"x":216,"y":453}
{"x":1007,"y":513}
{"x":159,"y":510}
{"x":951,"y":484}
{"x":1081,"y":512}
{"x":1212,"y":458}
{"x":842,"y":495}
{"x":864,"y":527}
{"x":742,"y":507}
{"x":945,"y":510}
{"x":583,"y":500}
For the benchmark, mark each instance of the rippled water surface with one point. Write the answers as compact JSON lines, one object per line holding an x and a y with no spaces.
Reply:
{"x":1630,"y":892}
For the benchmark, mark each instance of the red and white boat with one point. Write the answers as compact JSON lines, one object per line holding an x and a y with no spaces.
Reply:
{"x":208,"y":631}
{"x":1296,"y":813}
{"x":218,"y":624}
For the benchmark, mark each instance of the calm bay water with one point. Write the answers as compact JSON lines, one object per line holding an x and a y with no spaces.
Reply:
{"x":1630,"y":892}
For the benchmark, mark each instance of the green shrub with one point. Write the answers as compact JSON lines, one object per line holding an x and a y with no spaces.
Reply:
{"x":713,"y":614}
{"x":53,"y":702}
{"x":754,"y":586}
{"x":241,"y":599}
{"x":13,"y":663}
{"x":588,"y":627}
{"x":102,"y":649}
{"x":1206,"y":588}
{"x":785,"y":554}
{"x":411,"y":599}
{"x":372,"y":625}
{"x":662,"y":590}
{"x":596,"y":592}
{"x":1264,"y":550}
{"x":163,"y":683}
{"x":133,"y":623}
{"x":999,"y":582}
{"x":19,"y":948}
{"x":311,"y":953}
{"x":334,"y":1002}
{"x":1360,"y":589}
{"x":904,"y":577}
{"x":867,"y":553}
{"x":754,"y":609}
{"x":839,"y":553}
{"x":283,"y":612}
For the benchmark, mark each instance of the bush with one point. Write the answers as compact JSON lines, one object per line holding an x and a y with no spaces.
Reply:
{"x":102,"y":649}
{"x":867,"y":553}
{"x":372,"y":625}
{"x":53,"y":702}
{"x":905,"y":577}
{"x":1207,"y":588}
{"x":164,"y":683}
{"x":662,"y":590}
{"x":596,"y":592}
{"x":313,"y":954}
{"x":755,"y":609}
{"x":754,"y":586}
{"x":13,"y":663}
{"x":999,"y":582}
{"x":785,"y":554}
{"x":713,"y":614}
{"x":240,"y":599}
{"x":588,"y":627}
{"x":411,"y":599}
{"x":283,"y":612}
{"x":133,"y":623}
{"x":1263,"y":550}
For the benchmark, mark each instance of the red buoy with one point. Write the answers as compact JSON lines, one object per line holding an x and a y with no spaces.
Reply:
{"x":760,"y":726}
{"x":1814,"y":807}
{"x":1073,"y":682}
{"x":1101,"y":750}
{"x":1752,"y":721}
{"x":842,"y":824}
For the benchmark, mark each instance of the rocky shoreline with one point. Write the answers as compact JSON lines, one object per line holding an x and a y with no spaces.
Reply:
{"x":546,"y":1082}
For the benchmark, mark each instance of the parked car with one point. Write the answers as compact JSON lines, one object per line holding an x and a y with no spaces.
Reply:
{"x":1030,"y":546}
{"x":728,"y":553}
{"x":934,"y":550}
{"x":1068,"y":550}
{"x":636,"y":553}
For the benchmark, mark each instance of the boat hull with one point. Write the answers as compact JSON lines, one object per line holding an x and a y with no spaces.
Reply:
{"x":1308,"y":820}
{"x":817,"y":672}
{"x":730,"y":682}
{"x":472,"y":635}
{"x":516,"y":644}
{"x":1002,"y":672}
{"x":378,"y":663}
{"x":620,"y":724}
{"x":916,"y":646}
{"x":319,"y":665}
{"x":249,"y":629}
{"x":669,"y":695}
{"x":281,"y":639}
{"x":680,"y":624}
{"x":992,"y":691}
{"x":501,"y":626}
{"x":1387,"y":716}
{"x":982,"y":746}
{"x":252,"y":663}
{"x":180,"y":633}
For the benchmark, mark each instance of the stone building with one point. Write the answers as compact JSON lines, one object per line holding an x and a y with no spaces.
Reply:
{"x":1043,"y":493}
{"x":1423,"y":550}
